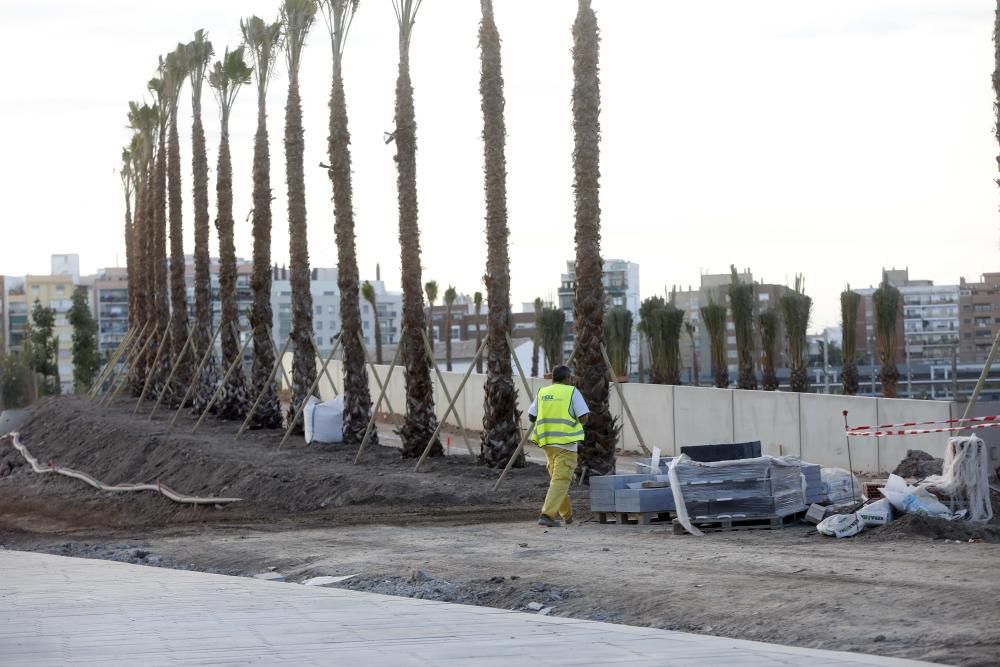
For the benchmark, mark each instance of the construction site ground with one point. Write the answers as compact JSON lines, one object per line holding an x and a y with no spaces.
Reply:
{"x":907,"y":590}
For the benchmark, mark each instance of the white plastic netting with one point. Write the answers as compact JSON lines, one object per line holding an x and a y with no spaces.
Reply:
{"x":965,"y":476}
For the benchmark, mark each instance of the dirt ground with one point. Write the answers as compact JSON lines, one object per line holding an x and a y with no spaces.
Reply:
{"x":444,"y":535}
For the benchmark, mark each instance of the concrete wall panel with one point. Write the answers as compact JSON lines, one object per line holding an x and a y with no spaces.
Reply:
{"x":769,"y":416}
{"x":822,"y":422}
{"x":892,"y":449}
{"x":702,"y":416}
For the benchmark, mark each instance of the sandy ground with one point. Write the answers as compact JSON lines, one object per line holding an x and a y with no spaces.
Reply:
{"x":439,"y":535}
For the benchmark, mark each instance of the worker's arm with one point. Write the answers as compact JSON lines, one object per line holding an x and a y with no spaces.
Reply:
{"x":579,"y":407}
{"x":584,"y":419}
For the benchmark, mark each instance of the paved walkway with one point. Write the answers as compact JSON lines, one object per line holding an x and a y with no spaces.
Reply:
{"x":57,"y":610}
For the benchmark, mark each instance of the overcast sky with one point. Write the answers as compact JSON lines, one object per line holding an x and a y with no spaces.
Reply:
{"x":826,"y":139}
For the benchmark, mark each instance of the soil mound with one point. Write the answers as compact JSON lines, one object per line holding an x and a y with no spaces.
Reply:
{"x":298,"y":482}
{"x":910,"y":525}
{"x":919,"y":464}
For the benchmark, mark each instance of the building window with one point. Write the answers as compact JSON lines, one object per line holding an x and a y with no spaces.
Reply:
{"x":319,"y":325}
{"x":319,"y":310}
{"x":456,"y":332}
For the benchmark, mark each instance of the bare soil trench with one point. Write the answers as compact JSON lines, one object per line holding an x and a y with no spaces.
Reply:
{"x":444,"y":535}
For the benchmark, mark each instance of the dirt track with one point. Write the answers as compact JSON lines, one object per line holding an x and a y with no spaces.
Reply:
{"x":893,"y":593}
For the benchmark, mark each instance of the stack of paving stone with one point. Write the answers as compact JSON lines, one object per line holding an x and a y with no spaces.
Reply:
{"x":814,"y":483}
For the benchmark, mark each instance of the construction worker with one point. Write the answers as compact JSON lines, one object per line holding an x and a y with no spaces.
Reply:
{"x":559,"y":413}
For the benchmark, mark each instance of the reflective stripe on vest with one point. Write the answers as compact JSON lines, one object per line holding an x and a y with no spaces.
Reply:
{"x":555,"y":425}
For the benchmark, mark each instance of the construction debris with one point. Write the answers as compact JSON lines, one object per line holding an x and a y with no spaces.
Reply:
{"x":918,"y":465}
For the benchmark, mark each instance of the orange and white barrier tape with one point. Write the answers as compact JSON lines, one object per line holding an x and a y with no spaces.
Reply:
{"x":851,"y":433}
{"x":968,"y":420}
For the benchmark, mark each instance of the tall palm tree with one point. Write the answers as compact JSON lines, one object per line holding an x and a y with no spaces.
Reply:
{"x":431,"y":289}
{"x":161,"y":301}
{"x":714,"y":317}
{"x":673,"y":322}
{"x":849,"y":302}
{"x":618,"y":334}
{"x":368,"y":292}
{"x":143,"y":119}
{"x":651,"y":326}
{"x":741,"y":303}
{"x":297,"y":17}
{"x":477,"y":303}
{"x":263,"y":41}
{"x":125,"y":173}
{"x":176,"y":72}
{"x":449,"y":302}
{"x":553,"y":332}
{"x":339,"y":15}
{"x":199,"y":53}
{"x":768,"y":324}
{"x":795,"y":308}
{"x":420,"y":422}
{"x":887,"y":311}
{"x":536,"y":342}
{"x":692,"y":333}
{"x":597,"y":453}
{"x":500,"y":416}
{"x":226,"y":78}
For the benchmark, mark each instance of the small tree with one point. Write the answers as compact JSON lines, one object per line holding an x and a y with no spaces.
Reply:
{"x":86,"y":358}
{"x":431,"y":289}
{"x":849,"y":302}
{"x":536,"y":342}
{"x":795,"y":308}
{"x":618,"y":333}
{"x":692,"y":332}
{"x":477,"y":302}
{"x":768,"y":324}
{"x":44,"y":358}
{"x":673,"y":322}
{"x":651,"y":326}
{"x":887,"y":306}
{"x":714,"y":317}
{"x":741,"y":303}
{"x":553,"y":327}
{"x":449,"y":302}
{"x":13,"y":381}
{"x":368,"y":292}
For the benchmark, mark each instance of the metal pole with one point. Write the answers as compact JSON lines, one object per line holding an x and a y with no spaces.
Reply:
{"x":378,"y":379}
{"x":112,"y":360}
{"x":381,"y":395}
{"x":152,"y":371}
{"x":260,"y":395}
{"x":451,"y":406}
{"x":826,"y":361}
{"x":125,"y":357}
{"x":517,"y":362}
{"x":123,"y":376}
{"x":850,"y":463}
{"x":238,"y":361}
{"x":447,"y":394}
{"x":510,"y":463}
{"x":302,"y":405}
{"x":621,"y":397}
{"x":173,"y":370}
{"x":197,"y":373}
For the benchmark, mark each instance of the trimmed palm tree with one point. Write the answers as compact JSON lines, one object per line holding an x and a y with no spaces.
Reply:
{"x":176,"y":72}
{"x":143,"y":119}
{"x":263,"y":41}
{"x":449,"y":302}
{"x":339,"y":15}
{"x":199,"y":54}
{"x":226,"y":78}
{"x":618,"y":334}
{"x":477,"y":303}
{"x":500,"y":416}
{"x":692,"y":333}
{"x":161,"y":297}
{"x":536,"y":342}
{"x":714,"y":317}
{"x":741,"y":304}
{"x":297,"y":17}
{"x":597,"y":452}
{"x":651,"y":327}
{"x":125,"y":174}
{"x":795,"y":308}
{"x":887,"y":311}
{"x":673,"y":322}
{"x":420,"y":422}
{"x":368,"y":292}
{"x":431,"y":289}
{"x":849,"y":303}
{"x":767,"y":322}
{"x":553,"y":332}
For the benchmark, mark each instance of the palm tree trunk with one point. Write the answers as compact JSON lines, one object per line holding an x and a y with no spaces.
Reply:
{"x":597,"y":452}
{"x":479,"y":344}
{"x":357,"y":398}
{"x":178,"y":290}
{"x":447,"y":338}
{"x":162,"y":300}
{"x":145,"y":309}
{"x":268,"y":413}
{"x":500,"y":415}
{"x":421,"y":421}
{"x":202,"y":259}
{"x":130,"y":259}
{"x":304,"y":358}
{"x":232,"y":402}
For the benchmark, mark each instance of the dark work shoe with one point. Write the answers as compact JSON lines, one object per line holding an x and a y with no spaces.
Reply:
{"x":546,"y":521}
{"x":568,"y":520}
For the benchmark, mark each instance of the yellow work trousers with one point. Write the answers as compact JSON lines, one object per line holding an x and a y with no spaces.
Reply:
{"x":562,"y":466}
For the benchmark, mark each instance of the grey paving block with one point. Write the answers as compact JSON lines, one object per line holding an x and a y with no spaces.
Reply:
{"x":644,"y":500}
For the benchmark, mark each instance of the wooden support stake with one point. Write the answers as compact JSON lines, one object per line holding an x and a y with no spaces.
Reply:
{"x":238,"y":361}
{"x":447,"y":394}
{"x":278,"y":363}
{"x":112,"y":360}
{"x":517,"y":362}
{"x":510,"y":463}
{"x":123,"y":376}
{"x":312,"y":388}
{"x":125,"y":357}
{"x":173,"y":370}
{"x":325,"y":371}
{"x":152,"y":370}
{"x":982,"y":379}
{"x":381,"y":395}
{"x":451,"y":405}
{"x":621,"y":397}
{"x":378,"y":379}
{"x":197,"y":373}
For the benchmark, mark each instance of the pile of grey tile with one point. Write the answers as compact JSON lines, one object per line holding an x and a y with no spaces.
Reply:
{"x":815,"y":491}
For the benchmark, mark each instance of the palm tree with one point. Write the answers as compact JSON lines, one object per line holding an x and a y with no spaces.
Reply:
{"x":673,"y":322}
{"x":297,"y":16}
{"x":887,"y":307}
{"x":226,"y":78}
{"x":692,"y":332}
{"x":553,"y":328}
{"x":714,"y":317}
{"x":477,"y":302}
{"x":741,"y":303}
{"x":537,"y":339}
{"x":263,"y":40}
{"x":795,"y":309}
{"x":449,"y":301}
{"x":339,"y":15}
{"x":143,"y":119}
{"x":420,"y":422}
{"x":128,"y":187}
{"x":199,"y":53}
{"x":597,"y":453}
{"x":618,"y":334}
{"x":368,"y":292}
{"x":500,"y":416}
{"x":651,"y":324}
{"x":176,"y":71}
{"x":768,"y":324}
{"x":160,"y":302}
{"x":849,"y":302}
{"x":431,"y":288}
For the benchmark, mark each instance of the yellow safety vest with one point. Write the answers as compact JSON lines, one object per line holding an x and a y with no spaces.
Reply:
{"x":555,"y":425}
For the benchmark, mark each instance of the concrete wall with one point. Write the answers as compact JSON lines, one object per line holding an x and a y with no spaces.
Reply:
{"x":806,"y":425}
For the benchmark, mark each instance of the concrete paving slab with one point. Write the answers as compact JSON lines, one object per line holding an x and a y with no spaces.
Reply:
{"x":59,"y":610}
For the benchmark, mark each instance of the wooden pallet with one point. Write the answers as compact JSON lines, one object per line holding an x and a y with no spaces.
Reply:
{"x":721,"y":524}
{"x":634,"y":518}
